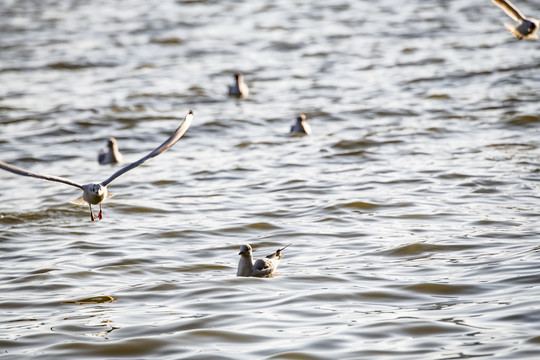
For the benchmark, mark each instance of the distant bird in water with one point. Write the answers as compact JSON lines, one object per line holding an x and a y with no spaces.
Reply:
{"x":112,"y":155}
{"x":239,"y":88}
{"x":527,"y":27}
{"x":94,"y":194}
{"x":301,"y":126}
{"x":261,"y":267}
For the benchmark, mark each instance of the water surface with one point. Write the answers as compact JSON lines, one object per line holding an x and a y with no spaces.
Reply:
{"x":412,"y":209}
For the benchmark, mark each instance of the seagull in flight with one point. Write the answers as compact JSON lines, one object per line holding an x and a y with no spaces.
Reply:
{"x":301,"y":126}
{"x":112,"y":155}
{"x":96,"y":193}
{"x":239,"y":88}
{"x":261,"y":267}
{"x":527,"y":27}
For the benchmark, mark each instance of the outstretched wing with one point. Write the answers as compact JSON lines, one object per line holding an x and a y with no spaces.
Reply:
{"x":179,"y":132}
{"x":510,"y":9}
{"x":23,"y":172}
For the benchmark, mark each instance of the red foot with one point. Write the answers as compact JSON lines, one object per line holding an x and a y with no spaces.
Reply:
{"x":100,"y":215}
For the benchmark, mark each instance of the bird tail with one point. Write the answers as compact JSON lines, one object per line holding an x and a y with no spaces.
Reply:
{"x":81,"y":201}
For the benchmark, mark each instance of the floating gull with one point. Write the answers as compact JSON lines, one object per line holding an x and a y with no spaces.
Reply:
{"x":112,"y":155}
{"x":261,"y":267}
{"x":239,"y":89}
{"x":527,"y":26}
{"x":301,"y":126}
{"x":94,"y":194}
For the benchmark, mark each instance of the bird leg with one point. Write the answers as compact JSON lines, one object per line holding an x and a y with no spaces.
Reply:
{"x":92,"y":217}
{"x":100,"y":215}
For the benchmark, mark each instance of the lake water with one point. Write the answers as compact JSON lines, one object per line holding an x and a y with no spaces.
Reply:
{"x":412,"y":209}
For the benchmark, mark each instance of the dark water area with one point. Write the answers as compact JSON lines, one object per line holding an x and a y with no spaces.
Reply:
{"x":412,"y":209}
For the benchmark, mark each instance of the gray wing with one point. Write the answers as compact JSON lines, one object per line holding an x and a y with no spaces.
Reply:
{"x":510,"y":9}
{"x":262,"y":264}
{"x":277,"y":255}
{"x":23,"y":172}
{"x":263,"y":267}
{"x":178,"y":133}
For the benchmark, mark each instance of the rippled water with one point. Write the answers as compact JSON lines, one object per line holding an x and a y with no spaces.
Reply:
{"x":412,"y":209}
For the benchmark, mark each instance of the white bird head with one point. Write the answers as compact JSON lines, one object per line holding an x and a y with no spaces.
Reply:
{"x":94,"y":193}
{"x":97,"y":189}
{"x":245,"y":250}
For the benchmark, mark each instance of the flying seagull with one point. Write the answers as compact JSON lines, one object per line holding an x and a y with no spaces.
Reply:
{"x":261,"y":267}
{"x":239,"y":88}
{"x":94,"y":194}
{"x":112,"y":155}
{"x":527,"y":26}
{"x":301,"y":126}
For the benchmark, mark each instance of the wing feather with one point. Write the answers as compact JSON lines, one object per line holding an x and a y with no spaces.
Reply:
{"x":510,"y":9}
{"x":178,"y":133}
{"x":19,"y":171}
{"x":262,"y":264}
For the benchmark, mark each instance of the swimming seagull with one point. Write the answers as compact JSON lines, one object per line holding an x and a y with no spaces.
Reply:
{"x":239,"y":89}
{"x":527,"y":26}
{"x":94,"y":194}
{"x":301,"y":126}
{"x":112,"y":155}
{"x":261,"y":267}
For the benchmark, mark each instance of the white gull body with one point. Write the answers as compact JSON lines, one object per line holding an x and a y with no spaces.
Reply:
{"x":239,"y":88}
{"x":301,"y":126}
{"x":112,"y":155}
{"x":261,"y":267}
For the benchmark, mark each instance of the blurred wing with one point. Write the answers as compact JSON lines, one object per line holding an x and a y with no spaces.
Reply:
{"x":509,"y":9}
{"x":307,"y":128}
{"x":179,"y":132}
{"x":23,"y":172}
{"x":101,"y":157}
{"x":514,"y":30}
